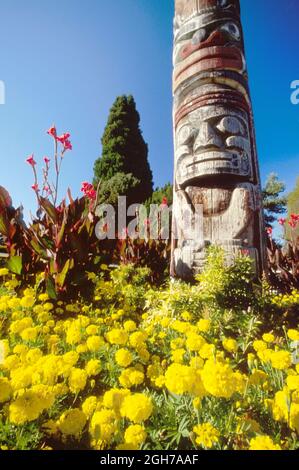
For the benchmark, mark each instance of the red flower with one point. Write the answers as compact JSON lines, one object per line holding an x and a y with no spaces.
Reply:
{"x":47,"y":160}
{"x":282,"y":221}
{"x":52,"y":131}
{"x":63,"y":138}
{"x":269,"y":230}
{"x":295,"y":217}
{"x":30,"y":160}
{"x":164,"y":203}
{"x":293,"y":223}
{"x":67,"y":145}
{"x":35,"y":187}
{"x":89,"y":191}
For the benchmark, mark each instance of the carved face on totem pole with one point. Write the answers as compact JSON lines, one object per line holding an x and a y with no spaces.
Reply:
{"x":215,"y":155}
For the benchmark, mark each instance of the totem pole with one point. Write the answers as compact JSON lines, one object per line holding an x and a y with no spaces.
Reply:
{"x":216,"y":174}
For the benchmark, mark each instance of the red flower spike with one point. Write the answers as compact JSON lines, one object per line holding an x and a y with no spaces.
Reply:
{"x":30,"y":160}
{"x":52,"y":132}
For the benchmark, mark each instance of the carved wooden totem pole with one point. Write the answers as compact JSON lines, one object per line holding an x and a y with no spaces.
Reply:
{"x":217,"y":183}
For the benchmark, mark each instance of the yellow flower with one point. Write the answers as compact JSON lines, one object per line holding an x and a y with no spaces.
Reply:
{"x":230,"y":345}
{"x":263,"y":443}
{"x":93,"y":367}
{"x":114,"y":398}
{"x":258,"y":377}
{"x":259,"y":346}
{"x":268,"y":338}
{"x":294,"y":417}
{"x":135,"y":435}
{"x":94,"y":343}
{"x":281,"y":360}
{"x":117,"y":336}
{"x":138,"y":339}
{"x":72,"y":422}
{"x":77,"y":380}
{"x":293,"y":335}
{"x":130,"y":326}
{"x":89,"y":405}
{"x":137,"y":408}
{"x":206,"y":435}
{"x":219,"y":379}
{"x":103,"y":425}
{"x":195,"y":342}
{"x":180,"y":379}
{"x":123,"y":357}
{"x":178,"y":355}
{"x":26,"y":408}
{"x":203,"y":325}
{"x":5,"y":390}
{"x":4,"y":272}
{"x":131,"y":377}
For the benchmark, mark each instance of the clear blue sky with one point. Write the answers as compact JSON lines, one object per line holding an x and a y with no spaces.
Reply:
{"x":65,"y":62}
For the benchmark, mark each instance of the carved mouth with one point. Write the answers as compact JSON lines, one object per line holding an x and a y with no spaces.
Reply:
{"x":210,"y":58}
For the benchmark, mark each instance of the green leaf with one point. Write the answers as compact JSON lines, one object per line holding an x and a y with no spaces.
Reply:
{"x":15,"y":264}
{"x":60,"y":277}
{"x":50,"y":287}
{"x":49,"y":209}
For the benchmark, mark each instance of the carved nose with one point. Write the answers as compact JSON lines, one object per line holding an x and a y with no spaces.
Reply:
{"x":207,"y":137}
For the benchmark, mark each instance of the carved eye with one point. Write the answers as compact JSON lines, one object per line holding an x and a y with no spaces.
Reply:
{"x":233,"y":30}
{"x":231,"y":125}
{"x":186,"y":135}
{"x":199,"y":36}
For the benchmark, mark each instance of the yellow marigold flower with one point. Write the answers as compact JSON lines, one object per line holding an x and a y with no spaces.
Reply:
{"x":93,"y":367}
{"x":33,"y":355}
{"x":268,"y":338}
{"x":219,"y":379}
{"x":131,"y":377}
{"x":21,"y":378}
{"x":71,"y":358}
{"x":187,"y":316}
{"x":117,"y":336}
{"x":72,"y":422}
{"x":294,"y":417}
{"x":203,"y":325}
{"x":137,"y":408}
{"x":130,"y":326}
{"x":259,"y":346}
{"x":143,"y":353}
{"x":263,"y":443}
{"x":138,"y":339}
{"x":103,"y":425}
{"x":113,"y":398}
{"x":177,"y":343}
{"x":195,"y":342}
{"x":281,"y":360}
{"x":77,"y":380}
{"x":89,"y":406}
{"x":180,"y":379}
{"x":50,"y":428}
{"x":230,"y":345}
{"x":265,"y":355}
{"x":43,"y":297}
{"x":27,"y":301}
{"x":293,"y":382}
{"x":178,"y":355}
{"x":135,"y":435}
{"x":82,"y":348}
{"x":92,"y":330}
{"x":4,"y":272}
{"x":26,"y":408}
{"x":12,"y":362}
{"x":207,"y":351}
{"x":124,"y":358}
{"x":206,"y":435}
{"x":5,"y":390}
{"x":293,"y":335}
{"x":94,"y":343}
{"x":281,"y":406}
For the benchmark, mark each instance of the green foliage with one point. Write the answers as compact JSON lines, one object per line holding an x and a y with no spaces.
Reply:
{"x":273,"y":200}
{"x":160,"y":194}
{"x":124,"y":152}
{"x":118,"y":185}
{"x":293,"y":208}
{"x":229,"y":286}
{"x":61,"y":243}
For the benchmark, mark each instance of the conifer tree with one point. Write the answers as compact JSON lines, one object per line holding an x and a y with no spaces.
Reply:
{"x":124,"y":153}
{"x":273,"y":200}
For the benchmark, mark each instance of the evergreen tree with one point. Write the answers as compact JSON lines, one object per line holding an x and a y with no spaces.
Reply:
{"x":273,"y":200}
{"x":125,"y":154}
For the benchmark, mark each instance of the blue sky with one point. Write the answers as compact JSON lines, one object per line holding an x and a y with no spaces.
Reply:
{"x":65,"y":61}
